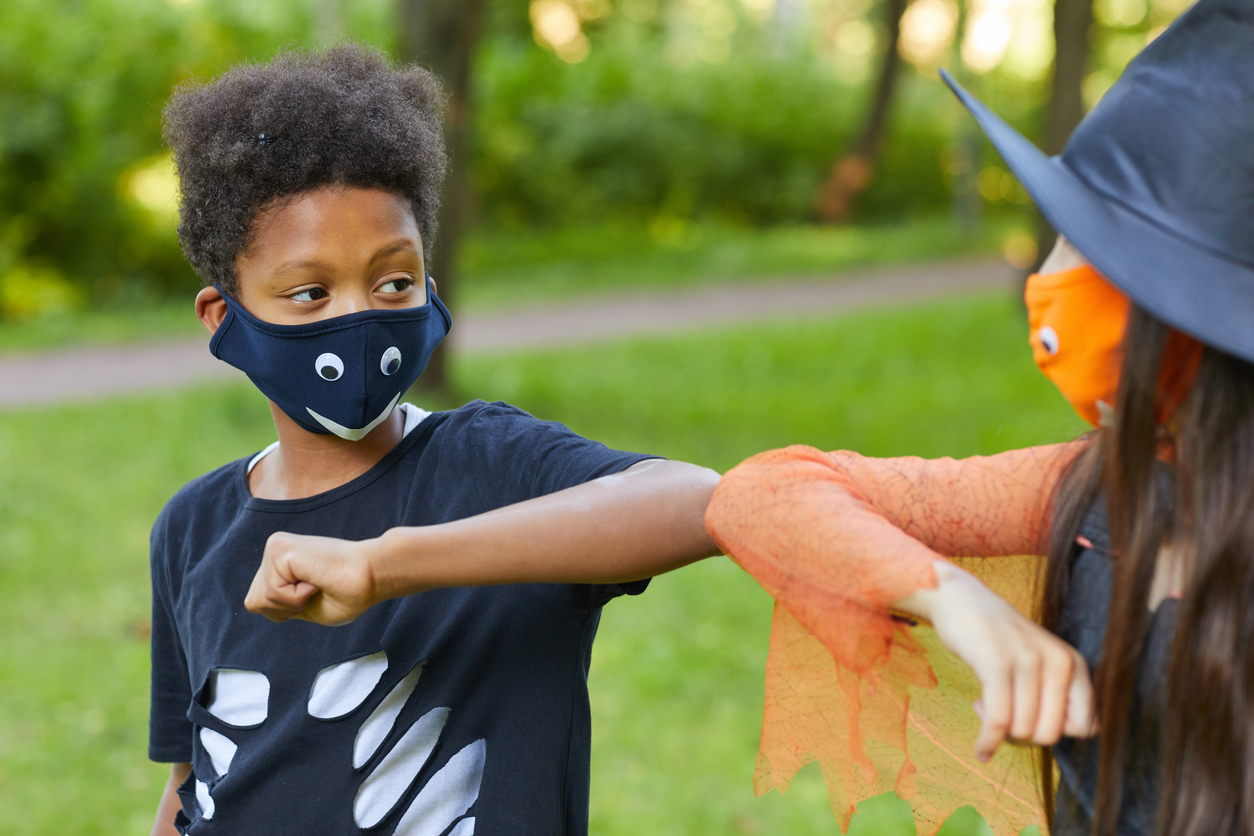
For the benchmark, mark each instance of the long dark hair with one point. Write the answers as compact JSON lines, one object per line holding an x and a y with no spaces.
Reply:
{"x":1205,"y":511}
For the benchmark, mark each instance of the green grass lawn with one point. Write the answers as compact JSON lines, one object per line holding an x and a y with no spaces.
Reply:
{"x":677,"y":673}
{"x":502,"y":269}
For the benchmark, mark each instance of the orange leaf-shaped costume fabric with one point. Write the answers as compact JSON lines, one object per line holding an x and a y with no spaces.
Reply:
{"x":834,"y":538}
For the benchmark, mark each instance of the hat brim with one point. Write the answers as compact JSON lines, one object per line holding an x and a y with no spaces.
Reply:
{"x":1186,"y":285}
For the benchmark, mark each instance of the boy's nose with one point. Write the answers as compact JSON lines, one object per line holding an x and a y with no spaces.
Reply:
{"x":352,"y":302}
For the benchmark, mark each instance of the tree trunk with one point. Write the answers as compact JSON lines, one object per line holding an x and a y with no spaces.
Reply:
{"x":853,"y":173}
{"x":441,"y":35}
{"x":1072,"y":21}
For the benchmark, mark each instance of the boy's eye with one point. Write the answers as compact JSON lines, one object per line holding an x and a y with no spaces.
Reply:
{"x":398,"y":285}
{"x":312,"y":294}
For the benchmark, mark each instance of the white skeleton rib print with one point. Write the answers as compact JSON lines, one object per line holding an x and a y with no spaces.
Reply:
{"x":241,"y":698}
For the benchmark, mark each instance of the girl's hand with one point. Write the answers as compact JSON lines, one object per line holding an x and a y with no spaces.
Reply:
{"x":319,"y":579}
{"x":1036,"y":687}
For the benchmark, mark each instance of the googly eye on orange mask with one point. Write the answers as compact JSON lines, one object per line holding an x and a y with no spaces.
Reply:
{"x":1077,"y":321}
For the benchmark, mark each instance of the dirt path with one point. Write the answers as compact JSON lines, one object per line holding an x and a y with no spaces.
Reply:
{"x":92,"y":372}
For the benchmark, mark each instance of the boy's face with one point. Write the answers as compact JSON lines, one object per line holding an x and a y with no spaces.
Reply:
{"x":331,"y":252}
{"x":323,"y":254}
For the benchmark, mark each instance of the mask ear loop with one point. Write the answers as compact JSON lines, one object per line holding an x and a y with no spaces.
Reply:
{"x":1106,"y":414}
{"x":225,"y":324}
{"x":433,"y":297}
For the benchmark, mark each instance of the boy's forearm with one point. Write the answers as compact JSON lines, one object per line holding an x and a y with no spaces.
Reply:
{"x":169,"y":805}
{"x":642,"y":522}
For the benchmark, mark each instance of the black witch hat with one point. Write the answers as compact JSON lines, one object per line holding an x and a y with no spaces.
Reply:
{"x":1156,"y":186}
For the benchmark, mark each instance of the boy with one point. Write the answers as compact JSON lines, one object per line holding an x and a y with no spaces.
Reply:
{"x":456,"y":698}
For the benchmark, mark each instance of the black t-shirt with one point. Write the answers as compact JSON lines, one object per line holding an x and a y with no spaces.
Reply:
{"x":450,"y":712}
{"x":1083,"y":626}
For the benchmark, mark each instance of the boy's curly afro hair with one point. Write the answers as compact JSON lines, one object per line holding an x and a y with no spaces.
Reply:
{"x":263,"y":133}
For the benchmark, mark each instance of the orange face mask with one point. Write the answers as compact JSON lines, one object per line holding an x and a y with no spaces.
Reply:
{"x":1077,"y":322}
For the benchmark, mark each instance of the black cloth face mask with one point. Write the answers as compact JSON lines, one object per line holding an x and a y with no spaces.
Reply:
{"x":340,"y":376}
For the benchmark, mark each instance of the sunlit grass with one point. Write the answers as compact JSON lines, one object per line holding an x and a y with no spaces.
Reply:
{"x":677,"y":673}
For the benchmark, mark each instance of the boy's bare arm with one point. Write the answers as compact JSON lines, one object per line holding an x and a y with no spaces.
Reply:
{"x":170,"y":804}
{"x":636,"y":524}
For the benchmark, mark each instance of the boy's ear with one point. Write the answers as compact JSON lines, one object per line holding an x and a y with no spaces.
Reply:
{"x":210,"y":308}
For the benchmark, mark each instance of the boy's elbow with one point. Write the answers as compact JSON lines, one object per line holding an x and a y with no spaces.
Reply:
{"x":704,"y":481}
{"x":679,"y":478}
{"x":723,"y":503}
{"x":702,"y":485}
{"x":693,"y":486}
{"x":687,"y":499}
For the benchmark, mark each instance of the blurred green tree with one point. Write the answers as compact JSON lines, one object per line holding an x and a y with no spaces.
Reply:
{"x":79,"y":108}
{"x":666,"y":113}
{"x":87,"y":195}
{"x":656,"y":113}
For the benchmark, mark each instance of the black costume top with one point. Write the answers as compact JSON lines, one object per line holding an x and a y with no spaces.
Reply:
{"x":433,"y":714}
{"x":1083,"y":625}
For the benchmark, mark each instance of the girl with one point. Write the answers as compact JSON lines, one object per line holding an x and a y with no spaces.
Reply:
{"x":1148,"y":522}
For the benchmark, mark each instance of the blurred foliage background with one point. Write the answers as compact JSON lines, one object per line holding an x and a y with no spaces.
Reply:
{"x":657,"y":114}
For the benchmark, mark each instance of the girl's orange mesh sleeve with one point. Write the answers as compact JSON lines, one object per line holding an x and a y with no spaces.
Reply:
{"x":835,"y":538}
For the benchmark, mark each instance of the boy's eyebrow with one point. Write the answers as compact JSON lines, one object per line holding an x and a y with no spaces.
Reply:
{"x":391,"y":249}
{"x":303,"y":264}
{"x":309,"y":263}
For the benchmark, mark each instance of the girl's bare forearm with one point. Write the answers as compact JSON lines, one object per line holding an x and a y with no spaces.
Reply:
{"x":951,"y":585}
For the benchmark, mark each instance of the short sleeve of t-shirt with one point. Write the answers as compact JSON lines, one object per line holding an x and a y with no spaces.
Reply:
{"x":516,"y":457}
{"x":170,"y":737}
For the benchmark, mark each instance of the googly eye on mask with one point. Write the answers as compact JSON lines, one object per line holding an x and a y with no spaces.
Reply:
{"x":342,"y":376}
{"x":1048,"y":339}
{"x":329,"y":366}
{"x":390,"y":364}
